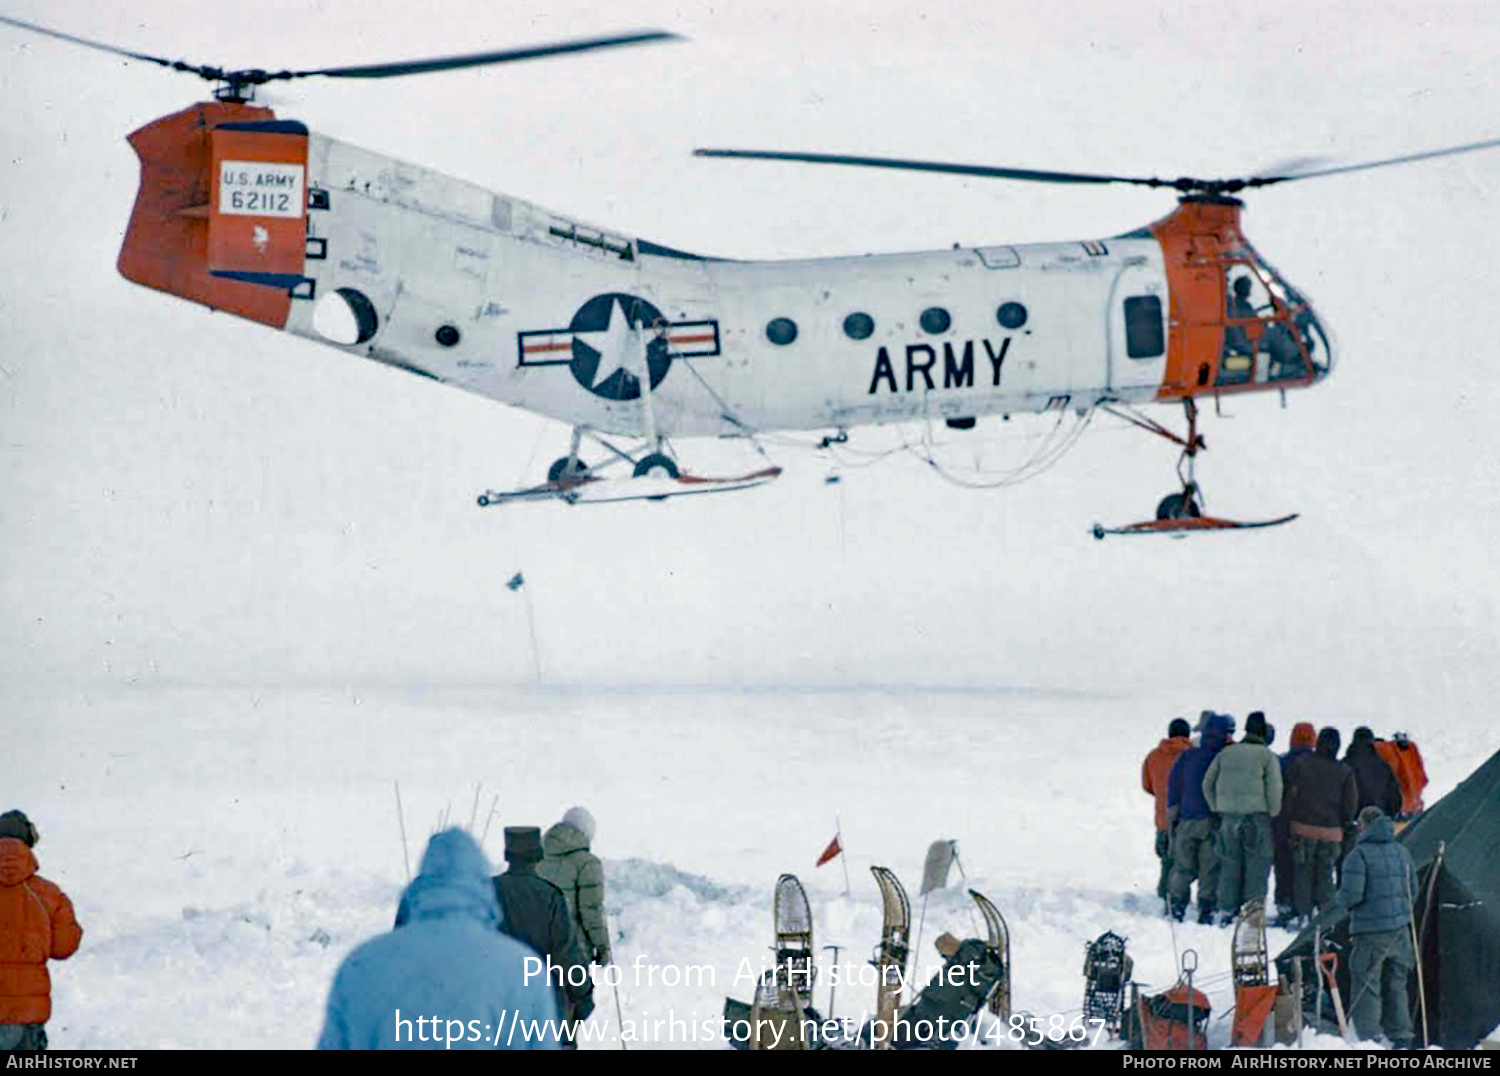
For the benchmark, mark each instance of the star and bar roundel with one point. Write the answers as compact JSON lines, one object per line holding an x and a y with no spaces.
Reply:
{"x":601,"y":345}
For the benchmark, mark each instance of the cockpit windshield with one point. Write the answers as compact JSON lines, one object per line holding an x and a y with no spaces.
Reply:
{"x":1271,"y":334}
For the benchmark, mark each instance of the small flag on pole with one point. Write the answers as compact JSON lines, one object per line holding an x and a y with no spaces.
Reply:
{"x":833,"y":849}
{"x":516,"y":582}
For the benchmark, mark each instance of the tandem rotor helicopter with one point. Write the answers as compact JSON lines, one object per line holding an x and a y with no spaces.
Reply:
{"x":620,"y":337}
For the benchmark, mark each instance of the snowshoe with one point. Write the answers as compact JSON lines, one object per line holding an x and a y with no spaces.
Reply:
{"x":1106,"y":971}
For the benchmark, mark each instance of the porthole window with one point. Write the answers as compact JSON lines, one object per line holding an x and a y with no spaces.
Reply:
{"x":935,"y":320}
{"x":447,"y":335}
{"x":859,"y":326}
{"x":781,"y":331}
{"x":1011,"y":315}
{"x":345,"y":316}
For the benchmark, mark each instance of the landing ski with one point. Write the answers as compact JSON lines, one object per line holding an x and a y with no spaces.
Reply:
{"x":591,"y":488}
{"x":1181,"y":528}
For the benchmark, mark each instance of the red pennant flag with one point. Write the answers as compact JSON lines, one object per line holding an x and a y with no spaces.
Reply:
{"x":833,"y":849}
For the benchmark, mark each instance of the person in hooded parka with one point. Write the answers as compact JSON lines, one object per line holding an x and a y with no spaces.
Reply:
{"x":1195,"y":826}
{"x":573,"y":868}
{"x":1378,"y":890}
{"x":446,"y":959}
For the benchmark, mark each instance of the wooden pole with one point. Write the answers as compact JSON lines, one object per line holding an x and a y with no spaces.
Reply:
{"x":400,"y":814}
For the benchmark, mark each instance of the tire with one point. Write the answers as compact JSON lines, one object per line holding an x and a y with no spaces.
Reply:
{"x":656,"y":466}
{"x":484,"y":502}
{"x":1177,"y":506}
{"x":560,"y":469}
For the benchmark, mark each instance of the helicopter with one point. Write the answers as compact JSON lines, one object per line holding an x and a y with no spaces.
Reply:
{"x":617,"y":336}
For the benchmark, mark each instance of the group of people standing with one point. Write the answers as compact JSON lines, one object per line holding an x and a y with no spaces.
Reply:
{"x":461,"y":942}
{"x":1229,"y":812}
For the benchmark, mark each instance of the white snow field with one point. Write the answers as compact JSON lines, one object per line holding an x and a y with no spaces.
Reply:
{"x":226,"y":848}
{"x":245,"y":589}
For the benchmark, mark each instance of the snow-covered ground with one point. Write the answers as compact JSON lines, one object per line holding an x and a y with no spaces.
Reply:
{"x":226,"y":848}
{"x":189,"y":500}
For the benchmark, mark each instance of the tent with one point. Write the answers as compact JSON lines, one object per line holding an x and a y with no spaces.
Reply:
{"x":1456,"y":847}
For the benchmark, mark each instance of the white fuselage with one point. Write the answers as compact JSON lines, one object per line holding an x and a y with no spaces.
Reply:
{"x":505,"y":299}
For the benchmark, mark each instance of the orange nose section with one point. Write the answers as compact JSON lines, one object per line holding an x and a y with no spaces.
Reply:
{"x":220,"y":217}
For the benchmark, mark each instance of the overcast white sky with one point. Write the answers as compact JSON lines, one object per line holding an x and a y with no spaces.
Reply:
{"x":188,"y":498}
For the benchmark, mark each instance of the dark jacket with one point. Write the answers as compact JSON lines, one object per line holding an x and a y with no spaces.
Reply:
{"x":1185,"y":783}
{"x":956,"y":994}
{"x":1378,"y":786}
{"x":446,"y":959}
{"x":536,"y":913}
{"x":1380,"y":881}
{"x":1321,"y":796}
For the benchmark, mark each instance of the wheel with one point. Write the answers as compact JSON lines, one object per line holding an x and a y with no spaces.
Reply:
{"x":566,"y":468}
{"x":484,"y":502}
{"x":1177,"y":506}
{"x":656,"y":466}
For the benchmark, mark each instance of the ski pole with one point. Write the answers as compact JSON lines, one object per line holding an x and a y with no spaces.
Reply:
{"x":619,"y":1016}
{"x":1188,"y":967}
{"x":833,"y":983}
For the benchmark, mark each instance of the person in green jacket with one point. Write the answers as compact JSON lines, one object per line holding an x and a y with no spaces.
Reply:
{"x":1243,"y":787}
{"x":575,"y":870}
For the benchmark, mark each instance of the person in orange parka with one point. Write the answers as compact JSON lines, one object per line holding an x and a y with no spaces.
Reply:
{"x":1405,"y":761}
{"x":1154,"y":773}
{"x":36,"y":924}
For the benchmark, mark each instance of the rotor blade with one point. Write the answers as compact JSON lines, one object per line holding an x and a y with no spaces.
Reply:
{"x":1408,"y":159}
{"x":175,"y":65}
{"x":449,"y":63}
{"x":935,"y":166}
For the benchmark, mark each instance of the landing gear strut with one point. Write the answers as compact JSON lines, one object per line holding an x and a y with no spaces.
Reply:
{"x":1181,"y":512}
{"x":1184,"y":505}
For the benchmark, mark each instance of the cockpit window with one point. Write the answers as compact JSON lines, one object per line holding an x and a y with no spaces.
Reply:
{"x":1270,"y":331}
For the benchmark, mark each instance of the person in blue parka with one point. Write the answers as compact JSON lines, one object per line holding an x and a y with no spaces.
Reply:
{"x":1378,"y":889}
{"x":1194,"y":824}
{"x":445,"y":978}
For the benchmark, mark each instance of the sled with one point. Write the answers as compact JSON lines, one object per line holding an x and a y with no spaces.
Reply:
{"x":1106,"y":972}
{"x":1181,"y":528}
{"x":1176,"y":1019}
{"x":591,"y":488}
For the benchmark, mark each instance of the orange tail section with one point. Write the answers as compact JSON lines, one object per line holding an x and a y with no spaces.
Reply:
{"x":221,"y":214}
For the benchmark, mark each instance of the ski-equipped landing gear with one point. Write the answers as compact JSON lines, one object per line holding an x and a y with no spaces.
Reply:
{"x":1181,"y":513}
{"x":654,"y":476}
